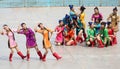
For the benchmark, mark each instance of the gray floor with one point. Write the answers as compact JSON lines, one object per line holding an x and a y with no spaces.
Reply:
{"x":74,"y":57}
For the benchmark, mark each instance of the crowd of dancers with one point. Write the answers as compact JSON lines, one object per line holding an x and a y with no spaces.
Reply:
{"x":70,"y":32}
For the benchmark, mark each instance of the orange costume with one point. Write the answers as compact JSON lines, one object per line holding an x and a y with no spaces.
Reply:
{"x":46,"y":40}
{"x":70,"y":35}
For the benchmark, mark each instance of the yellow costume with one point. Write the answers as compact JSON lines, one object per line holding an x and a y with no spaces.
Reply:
{"x":82,"y":19}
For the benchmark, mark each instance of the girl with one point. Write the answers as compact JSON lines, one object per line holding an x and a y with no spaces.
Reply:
{"x":59,"y":29}
{"x":11,"y":42}
{"x":79,"y":29}
{"x":96,"y":15}
{"x":103,"y":37}
{"x":66,"y":19}
{"x":91,"y":35}
{"x":30,"y":40}
{"x":111,"y":34}
{"x":114,"y":19}
{"x":69,"y":36}
{"x":97,"y":26}
{"x":72,"y":11}
{"x":46,"y":41}
{"x":82,"y":16}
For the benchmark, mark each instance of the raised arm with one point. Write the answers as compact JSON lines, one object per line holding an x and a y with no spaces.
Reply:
{"x":1,"y":32}
{"x":35,"y":28}
{"x":18,"y":29}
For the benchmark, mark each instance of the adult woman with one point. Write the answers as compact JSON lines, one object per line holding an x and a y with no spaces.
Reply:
{"x":114,"y":19}
{"x":46,"y":41}
{"x":11,"y":42}
{"x":30,"y":40}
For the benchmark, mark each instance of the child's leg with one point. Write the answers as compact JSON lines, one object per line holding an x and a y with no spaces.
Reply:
{"x":101,"y":45}
{"x":28,"y":54}
{"x":88,"y":43}
{"x":70,"y":42}
{"x":115,"y":40}
{"x":38,"y":52}
{"x":45,"y":54}
{"x":92,"y":42}
{"x":80,"y":35}
{"x":20,"y":53}
{"x":55,"y":54}
{"x":11,"y":54}
{"x":84,"y":34}
{"x":111,"y":41}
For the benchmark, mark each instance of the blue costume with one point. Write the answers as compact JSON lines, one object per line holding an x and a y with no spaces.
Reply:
{"x":72,"y":13}
{"x":97,"y":27}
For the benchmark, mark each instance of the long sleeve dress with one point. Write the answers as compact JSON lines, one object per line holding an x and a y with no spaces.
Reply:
{"x":91,"y":33}
{"x":104,"y":35}
{"x":82,"y":19}
{"x":46,"y":40}
{"x":11,"y":39}
{"x":59,"y":36}
{"x":30,"y":37}
{"x":98,"y":16}
{"x":114,"y":21}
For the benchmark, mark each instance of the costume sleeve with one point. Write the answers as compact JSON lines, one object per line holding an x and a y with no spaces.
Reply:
{"x":56,"y":29}
{"x":4,"y":33}
{"x":101,"y":16}
{"x":39,"y":31}
{"x":31,"y":31}
{"x":88,"y":32}
{"x":49,"y":30}
{"x":92,"y":18}
{"x":109,"y":17}
{"x":21,"y":31}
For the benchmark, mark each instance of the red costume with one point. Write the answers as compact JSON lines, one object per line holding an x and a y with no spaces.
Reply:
{"x":112,"y":36}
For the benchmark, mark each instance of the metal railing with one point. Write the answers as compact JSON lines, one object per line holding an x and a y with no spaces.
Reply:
{"x":63,"y":3}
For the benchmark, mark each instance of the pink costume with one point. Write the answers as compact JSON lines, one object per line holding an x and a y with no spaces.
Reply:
{"x":11,"y":39}
{"x":59,"y":37}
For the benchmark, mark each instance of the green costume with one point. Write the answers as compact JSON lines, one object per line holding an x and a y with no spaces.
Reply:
{"x":80,"y":26}
{"x":104,"y":35}
{"x":91,"y":33}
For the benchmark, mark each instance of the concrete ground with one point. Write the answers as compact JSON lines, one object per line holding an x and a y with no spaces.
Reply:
{"x":74,"y":57}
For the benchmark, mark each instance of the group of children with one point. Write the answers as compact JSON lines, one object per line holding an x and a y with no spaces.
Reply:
{"x":30,"y":41}
{"x":99,"y":33}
